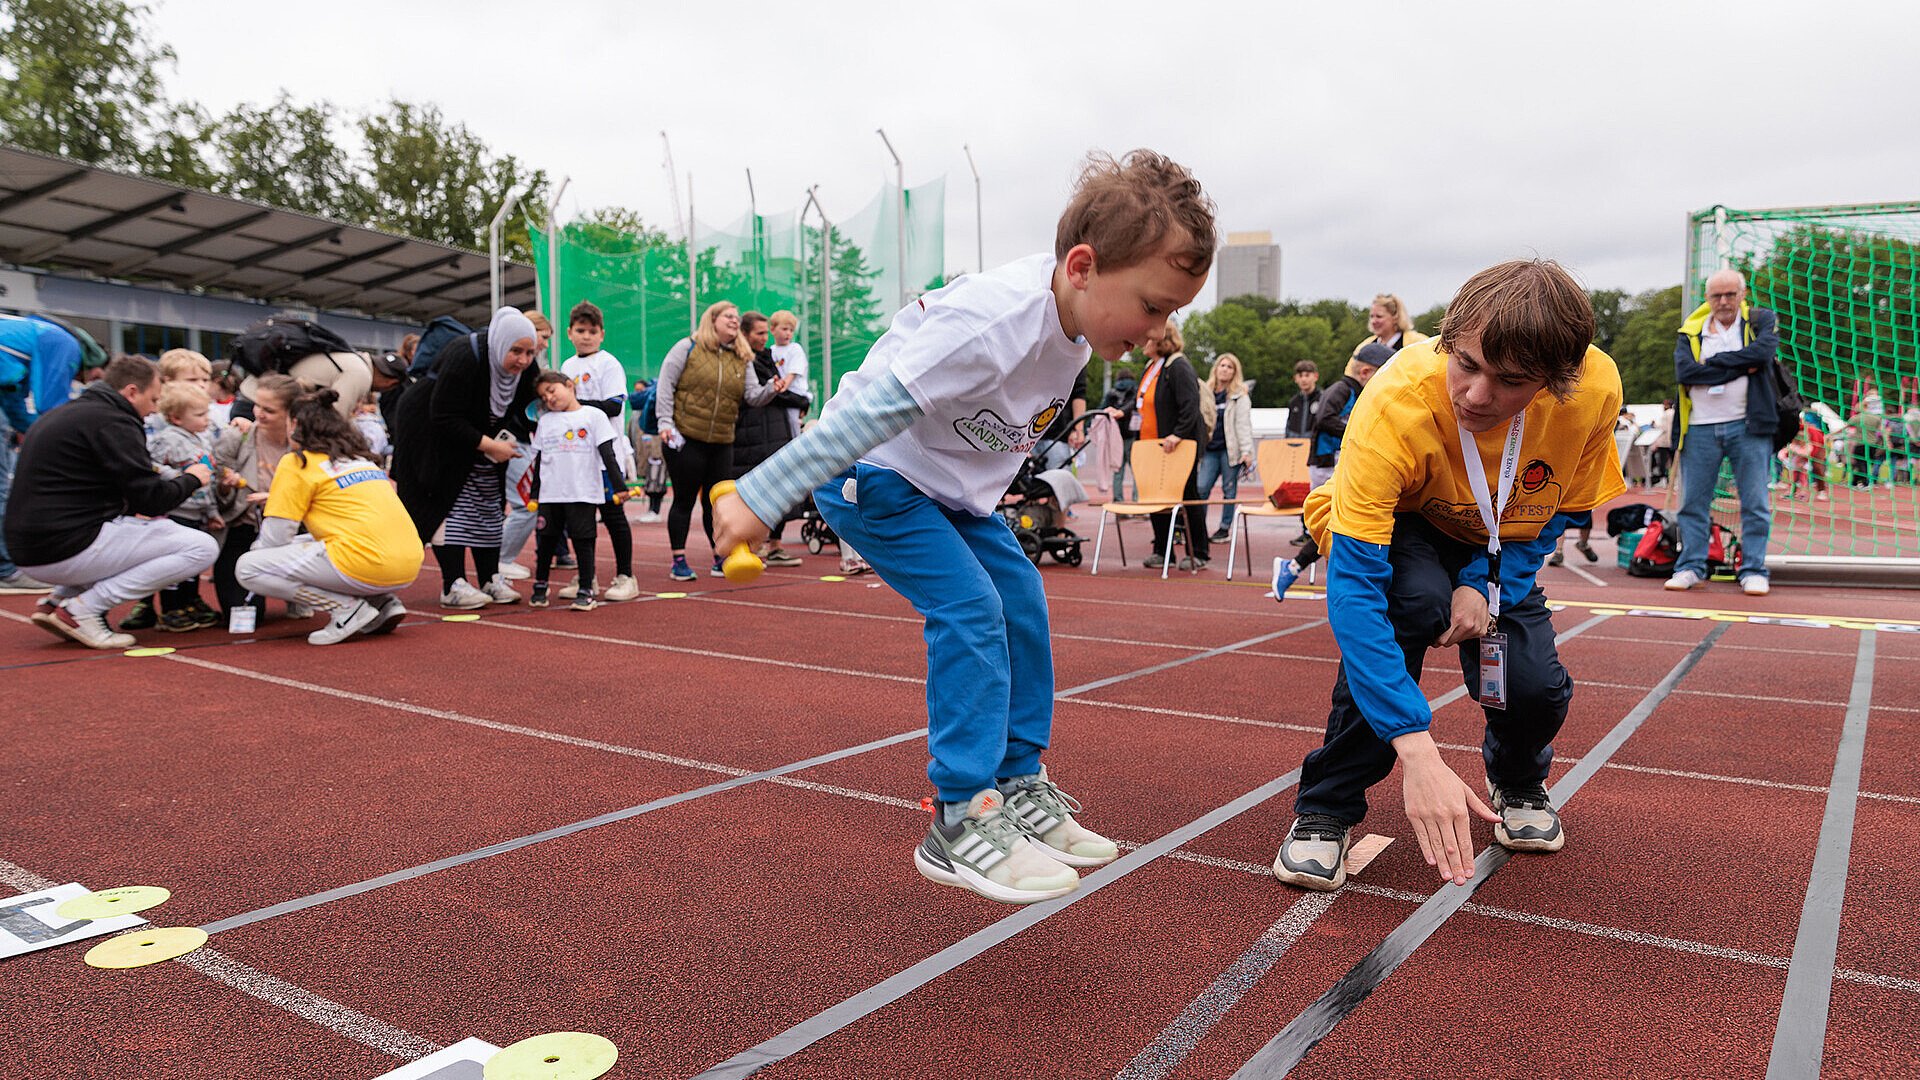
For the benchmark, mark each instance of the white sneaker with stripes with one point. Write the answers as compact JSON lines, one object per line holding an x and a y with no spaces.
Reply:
{"x":1047,"y":813}
{"x":990,"y":853}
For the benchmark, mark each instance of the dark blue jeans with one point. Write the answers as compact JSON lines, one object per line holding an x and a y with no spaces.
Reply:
{"x":1518,"y":745}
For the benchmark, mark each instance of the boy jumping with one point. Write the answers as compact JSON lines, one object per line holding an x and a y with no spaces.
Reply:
{"x":1410,"y":566}
{"x":910,"y":460}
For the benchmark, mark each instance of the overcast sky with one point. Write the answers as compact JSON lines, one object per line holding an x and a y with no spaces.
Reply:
{"x":1388,"y":147}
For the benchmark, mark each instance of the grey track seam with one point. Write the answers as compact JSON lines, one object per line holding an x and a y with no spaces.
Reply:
{"x":504,"y":846}
{"x":819,"y":1026}
{"x":1799,"y":1041}
{"x":1161,"y":1056}
{"x":1285,"y":1050}
{"x":277,"y":992}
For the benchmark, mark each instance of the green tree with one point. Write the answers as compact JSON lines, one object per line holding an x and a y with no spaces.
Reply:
{"x":284,"y":154}
{"x":78,"y":78}
{"x":432,"y":178}
{"x":177,"y":153}
{"x":1428,"y":321}
{"x":1644,"y":347}
{"x":1610,"y":313}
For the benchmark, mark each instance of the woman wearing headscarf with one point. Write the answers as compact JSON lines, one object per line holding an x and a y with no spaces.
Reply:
{"x":458,"y":430}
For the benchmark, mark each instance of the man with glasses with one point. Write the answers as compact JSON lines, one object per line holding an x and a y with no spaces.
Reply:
{"x":1727,"y":413}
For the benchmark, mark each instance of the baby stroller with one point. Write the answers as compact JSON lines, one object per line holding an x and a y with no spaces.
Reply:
{"x":1036,"y":504}
{"x":815,"y":531}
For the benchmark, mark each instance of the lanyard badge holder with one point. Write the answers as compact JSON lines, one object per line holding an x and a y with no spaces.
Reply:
{"x":1493,"y":644}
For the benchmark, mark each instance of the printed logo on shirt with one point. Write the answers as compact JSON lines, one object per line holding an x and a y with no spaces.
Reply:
{"x":347,"y":480}
{"x":986,"y":431}
{"x":1535,"y":476}
{"x":1043,"y":419}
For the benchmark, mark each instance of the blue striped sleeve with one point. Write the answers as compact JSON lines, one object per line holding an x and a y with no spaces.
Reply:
{"x":1358,"y":574}
{"x":874,"y":415}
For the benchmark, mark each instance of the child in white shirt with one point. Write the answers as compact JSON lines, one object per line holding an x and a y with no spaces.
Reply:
{"x":599,"y":382}
{"x":574,"y":472}
{"x":910,"y":460}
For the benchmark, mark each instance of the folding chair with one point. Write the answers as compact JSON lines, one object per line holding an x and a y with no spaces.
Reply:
{"x":1159,"y":480}
{"x":1282,"y":461}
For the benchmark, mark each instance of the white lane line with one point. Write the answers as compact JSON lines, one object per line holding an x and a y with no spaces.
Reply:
{"x":1161,"y":1056}
{"x":1742,"y":648}
{"x":710,"y":654}
{"x":271,"y":989}
{"x":1583,"y":573}
{"x":1756,"y":697}
{"x":459,"y":718}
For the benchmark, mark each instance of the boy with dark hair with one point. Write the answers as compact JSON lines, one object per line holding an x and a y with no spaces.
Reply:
{"x":910,"y":460}
{"x":600,"y":381}
{"x":1511,"y":408}
{"x":572,"y":449}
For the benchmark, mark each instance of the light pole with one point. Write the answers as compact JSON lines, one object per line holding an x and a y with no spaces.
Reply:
{"x":900,"y":173}
{"x":493,"y":244}
{"x":979,"y":231}
{"x":826,"y":292}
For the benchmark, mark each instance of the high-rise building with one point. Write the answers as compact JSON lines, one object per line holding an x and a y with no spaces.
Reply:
{"x":1248,"y":266}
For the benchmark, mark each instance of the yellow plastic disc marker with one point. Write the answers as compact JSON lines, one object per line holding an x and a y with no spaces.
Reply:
{"x":154,"y":650}
{"x":459,"y":618}
{"x":150,"y":946}
{"x":832,"y":577}
{"x":108,"y":903}
{"x":671,"y":595}
{"x":558,"y":1055}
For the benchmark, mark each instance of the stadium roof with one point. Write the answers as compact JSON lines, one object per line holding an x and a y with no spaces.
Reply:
{"x":59,"y":214}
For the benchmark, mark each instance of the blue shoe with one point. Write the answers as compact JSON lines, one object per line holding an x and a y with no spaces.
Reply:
{"x":681,"y":571}
{"x":1284,"y":575}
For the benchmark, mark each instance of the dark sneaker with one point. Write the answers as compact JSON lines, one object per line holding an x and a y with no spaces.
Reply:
{"x":681,"y":571}
{"x":566,"y":562}
{"x":1220,"y":536}
{"x":1528,"y":821}
{"x":1193,"y":563}
{"x":584,"y":601}
{"x":178,"y":622}
{"x":1586,"y":549}
{"x":539,"y":597}
{"x":1047,"y":813}
{"x":1155,"y":562}
{"x":1314,"y":855}
{"x":990,"y":853}
{"x":1556,"y":559}
{"x":719,"y":568}
{"x":140,"y":618}
{"x":203,"y":613}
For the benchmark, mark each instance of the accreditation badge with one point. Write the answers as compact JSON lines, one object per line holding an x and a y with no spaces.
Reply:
{"x":1493,"y":671}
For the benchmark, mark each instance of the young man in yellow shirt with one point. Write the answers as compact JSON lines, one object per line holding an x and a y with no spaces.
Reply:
{"x":1411,"y":566}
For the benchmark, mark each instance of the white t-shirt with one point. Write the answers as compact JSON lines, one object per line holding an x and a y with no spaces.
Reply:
{"x":569,"y":447}
{"x":1728,"y":401}
{"x":791,"y":359}
{"x":597,"y":378}
{"x":988,"y":361}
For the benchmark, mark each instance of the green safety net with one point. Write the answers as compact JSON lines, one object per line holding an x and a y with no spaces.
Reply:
{"x":1845,"y":281}
{"x":761,"y":262}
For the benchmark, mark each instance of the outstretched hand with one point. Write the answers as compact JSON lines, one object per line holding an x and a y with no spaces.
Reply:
{"x":1440,"y":807}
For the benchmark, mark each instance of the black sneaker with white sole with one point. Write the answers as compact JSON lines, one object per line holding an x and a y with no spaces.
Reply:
{"x":1314,"y":855}
{"x":1528,"y":821}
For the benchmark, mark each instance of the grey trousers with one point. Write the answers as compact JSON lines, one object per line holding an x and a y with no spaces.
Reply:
{"x":132,"y":558}
{"x":303,"y":571}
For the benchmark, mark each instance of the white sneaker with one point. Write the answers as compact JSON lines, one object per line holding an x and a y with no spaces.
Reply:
{"x":1047,"y":813}
{"x":90,"y":630}
{"x":648,"y":518}
{"x":345,"y":624}
{"x":391,"y":612}
{"x":990,"y":853}
{"x":1754,"y":585}
{"x":622,"y":588}
{"x":298,"y":610}
{"x":499,"y":592}
{"x":464,"y":596}
{"x":1682,"y":581}
{"x":513,"y":571}
{"x":21,"y":583}
{"x":568,"y":591}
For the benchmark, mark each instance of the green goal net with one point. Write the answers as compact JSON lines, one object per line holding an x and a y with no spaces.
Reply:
{"x":1845,"y":281}
{"x":843,"y":280}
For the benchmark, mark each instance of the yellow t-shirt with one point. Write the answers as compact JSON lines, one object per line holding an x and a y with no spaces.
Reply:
{"x":350,"y":506}
{"x":1402,"y":454}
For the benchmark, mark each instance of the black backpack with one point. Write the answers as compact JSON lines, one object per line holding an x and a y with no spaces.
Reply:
{"x":438,"y":332}
{"x":278,"y":343}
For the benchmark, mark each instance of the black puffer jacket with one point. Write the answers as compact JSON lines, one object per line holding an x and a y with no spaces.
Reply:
{"x":764,"y":429}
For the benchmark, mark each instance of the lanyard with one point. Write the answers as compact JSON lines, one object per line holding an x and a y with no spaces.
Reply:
{"x":1477,"y":479}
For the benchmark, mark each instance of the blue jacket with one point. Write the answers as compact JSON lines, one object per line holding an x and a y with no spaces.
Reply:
{"x":35,"y":357}
{"x":1760,"y":340}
